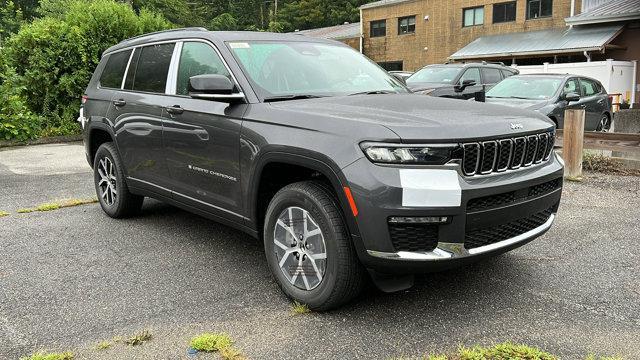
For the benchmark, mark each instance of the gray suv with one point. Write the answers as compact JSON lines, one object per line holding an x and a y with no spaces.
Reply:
{"x":305,"y":144}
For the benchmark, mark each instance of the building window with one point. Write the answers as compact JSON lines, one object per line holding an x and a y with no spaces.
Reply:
{"x":473,"y":16}
{"x":378,"y":28}
{"x":406,"y":25}
{"x":539,"y":8}
{"x":504,"y":12}
{"x":391,"y":65}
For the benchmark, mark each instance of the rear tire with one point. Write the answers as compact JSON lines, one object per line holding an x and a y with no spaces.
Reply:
{"x":320,"y":270}
{"x":111,"y":188}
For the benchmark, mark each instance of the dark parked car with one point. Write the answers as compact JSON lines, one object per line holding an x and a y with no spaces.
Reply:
{"x":552,"y":94}
{"x":340,"y":171}
{"x":458,"y":81}
{"x":401,"y":75}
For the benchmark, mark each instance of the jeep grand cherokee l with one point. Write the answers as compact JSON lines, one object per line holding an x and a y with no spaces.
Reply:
{"x":304,"y":143}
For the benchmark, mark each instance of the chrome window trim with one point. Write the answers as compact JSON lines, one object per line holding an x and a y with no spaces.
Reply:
{"x":172,"y":77}
{"x":126,"y":69}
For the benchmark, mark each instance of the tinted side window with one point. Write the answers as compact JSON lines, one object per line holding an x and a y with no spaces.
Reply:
{"x":491,"y":76}
{"x":589,"y":87}
{"x":153,"y":67}
{"x":113,"y":72}
{"x":197,"y":59}
{"x":471,"y":74}
{"x":131,"y":73}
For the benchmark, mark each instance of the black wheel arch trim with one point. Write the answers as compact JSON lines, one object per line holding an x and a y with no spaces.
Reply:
{"x":299,"y":157}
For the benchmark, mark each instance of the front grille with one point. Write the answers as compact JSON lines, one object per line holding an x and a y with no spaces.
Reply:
{"x":498,"y":200}
{"x":413,"y":237}
{"x":483,"y":158}
{"x":486,"y":236}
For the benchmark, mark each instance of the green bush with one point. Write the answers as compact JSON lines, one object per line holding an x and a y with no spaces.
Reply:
{"x":54,"y":56}
{"x":16,"y":120}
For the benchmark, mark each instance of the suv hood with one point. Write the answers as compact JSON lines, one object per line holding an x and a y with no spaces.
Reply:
{"x":418,"y":118}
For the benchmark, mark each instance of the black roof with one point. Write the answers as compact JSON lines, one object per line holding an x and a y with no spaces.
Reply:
{"x":202,"y":33}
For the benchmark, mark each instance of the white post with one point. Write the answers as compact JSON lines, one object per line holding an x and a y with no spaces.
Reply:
{"x":635,"y":82}
{"x":361,"y":33}
{"x":545,"y":67}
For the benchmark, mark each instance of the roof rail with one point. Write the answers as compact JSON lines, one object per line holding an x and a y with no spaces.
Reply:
{"x":493,"y":62}
{"x":168,"y":31}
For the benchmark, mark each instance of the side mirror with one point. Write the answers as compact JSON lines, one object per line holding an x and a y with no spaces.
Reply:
{"x":464,"y":85}
{"x":569,"y":97}
{"x":213,"y":87}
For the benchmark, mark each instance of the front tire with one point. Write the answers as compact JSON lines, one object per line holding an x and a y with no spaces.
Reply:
{"x":308,"y":248}
{"x":111,"y":188}
{"x":605,"y":123}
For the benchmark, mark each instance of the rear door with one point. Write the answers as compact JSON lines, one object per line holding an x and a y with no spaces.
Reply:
{"x":202,"y":137}
{"x":137,"y":112}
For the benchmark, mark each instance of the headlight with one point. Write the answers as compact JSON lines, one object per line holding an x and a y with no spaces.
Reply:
{"x":407,"y":154}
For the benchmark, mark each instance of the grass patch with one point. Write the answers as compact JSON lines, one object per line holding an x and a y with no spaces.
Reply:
{"x":103,"y":345}
{"x":4,"y":213}
{"x":231,"y":353}
{"x":593,"y":357}
{"x":605,"y":164}
{"x":58,"y":205}
{"x":68,"y":355}
{"x":299,"y":309}
{"x":210,"y":342}
{"x":138,"y":338}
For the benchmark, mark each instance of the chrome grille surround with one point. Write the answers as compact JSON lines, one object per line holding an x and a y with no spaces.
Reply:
{"x":486,"y":157}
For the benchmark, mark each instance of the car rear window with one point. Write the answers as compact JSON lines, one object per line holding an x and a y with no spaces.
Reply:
{"x":153,"y":68}
{"x":113,"y":72}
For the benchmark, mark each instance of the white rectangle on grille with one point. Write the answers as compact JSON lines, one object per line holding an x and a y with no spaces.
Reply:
{"x":430,"y":188}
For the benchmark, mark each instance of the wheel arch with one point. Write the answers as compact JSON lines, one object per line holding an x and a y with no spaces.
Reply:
{"x":98,"y":134}
{"x":314,"y":163}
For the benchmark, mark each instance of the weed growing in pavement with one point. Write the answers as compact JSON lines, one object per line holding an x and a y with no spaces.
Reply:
{"x":58,"y":205}
{"x":210,"y":342}
{"x":138,"y":338}
{"x":231,"y":353}
{"x":298,"y":308}
{"x":103,"y":345}
{"x":4,"y":213}
{"x":68,"y":355}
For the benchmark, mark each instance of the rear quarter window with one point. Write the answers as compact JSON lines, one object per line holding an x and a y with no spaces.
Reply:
{"x":113,"y":72}
{"x":491,"y":76}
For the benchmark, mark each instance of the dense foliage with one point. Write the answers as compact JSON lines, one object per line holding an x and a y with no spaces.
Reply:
{"x":48,"y":63}
{"x":49,"y":48}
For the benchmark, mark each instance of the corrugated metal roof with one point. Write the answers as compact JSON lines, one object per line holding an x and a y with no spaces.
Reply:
{"x":609,"y":11}
{"x":572,"y":40}
{"x":383,"y":3}
{"x":337,"y":32}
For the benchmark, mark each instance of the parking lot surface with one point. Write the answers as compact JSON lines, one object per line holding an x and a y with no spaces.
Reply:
{"x":72,"y":277}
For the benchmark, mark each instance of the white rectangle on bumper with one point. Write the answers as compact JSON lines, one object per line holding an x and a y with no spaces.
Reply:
{"x":430,"y":188}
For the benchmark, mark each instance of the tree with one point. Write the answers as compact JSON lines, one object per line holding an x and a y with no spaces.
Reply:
{"x":10,"y":18}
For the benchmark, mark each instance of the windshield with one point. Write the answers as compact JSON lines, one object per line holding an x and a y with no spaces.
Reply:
{"x":435,"y":74}
{"x":535,"y":88}
{"x":289,"y":69}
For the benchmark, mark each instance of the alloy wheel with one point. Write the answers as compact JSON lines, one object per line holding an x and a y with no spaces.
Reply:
{"x":604,"y":124}
{"x":107,"y":182}
{"x":300,"y":248}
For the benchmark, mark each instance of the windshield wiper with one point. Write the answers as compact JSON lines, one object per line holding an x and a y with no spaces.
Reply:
{"x":291,"y":97}
{"x":510,"y":97}
{"x":374,"y":92}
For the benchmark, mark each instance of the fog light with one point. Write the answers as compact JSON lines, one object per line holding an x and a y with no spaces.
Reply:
{"x":419,"y":219}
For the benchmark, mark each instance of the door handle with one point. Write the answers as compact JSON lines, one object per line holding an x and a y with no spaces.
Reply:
{"x":119,"y":102}
{"x":174,"y":110}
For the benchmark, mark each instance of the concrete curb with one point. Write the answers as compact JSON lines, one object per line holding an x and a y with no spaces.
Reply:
{"x":41,"y":141}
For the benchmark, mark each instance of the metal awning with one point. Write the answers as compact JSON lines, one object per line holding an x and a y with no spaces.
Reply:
{"x":543,"y":42}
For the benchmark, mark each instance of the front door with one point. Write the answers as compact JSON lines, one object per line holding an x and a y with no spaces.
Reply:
{"x":594,"y":103}
{"x":201,"y":138}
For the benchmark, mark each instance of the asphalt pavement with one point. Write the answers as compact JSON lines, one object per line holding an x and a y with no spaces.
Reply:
{"x":73,"y":277}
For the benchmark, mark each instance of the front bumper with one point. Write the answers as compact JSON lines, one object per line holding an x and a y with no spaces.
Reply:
{"x":380,"y":195}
